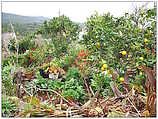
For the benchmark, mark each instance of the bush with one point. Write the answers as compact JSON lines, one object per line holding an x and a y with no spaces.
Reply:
{"x":8,"y":107}
{"x":26,"y":43}
{"x":62,"y":31}
{"x":121,"y":42}
{"x":73,"y":85}
{"x":101,"y":81}
{"x":33,"y":57}
{"x":69,"y":59}
{"x":7,"y":80}
{"x":41,"y":82}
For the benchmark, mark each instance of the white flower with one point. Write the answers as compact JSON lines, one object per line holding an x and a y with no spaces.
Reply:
{"x":51,"y":76}
{"x":105,"y":72}
{"x":27,"y":51}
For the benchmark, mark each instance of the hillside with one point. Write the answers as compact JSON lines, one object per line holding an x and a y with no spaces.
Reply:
{"x":7,"y":17}
{"x":21,"y":23}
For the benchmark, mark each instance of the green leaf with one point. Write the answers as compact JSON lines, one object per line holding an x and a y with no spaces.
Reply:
{"x":27,"y":107}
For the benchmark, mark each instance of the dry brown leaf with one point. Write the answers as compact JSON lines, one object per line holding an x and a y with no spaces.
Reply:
{"x":29,"y":75}
{"x":145,"y":113}
{"x":99,"y":110}
{"x":115,"y":90}
{"x":93,"y":112}
{"x":61,"y":106}
{"x":87,"y":104}
{"x":115,"y":114}
{"x":59,"y":113}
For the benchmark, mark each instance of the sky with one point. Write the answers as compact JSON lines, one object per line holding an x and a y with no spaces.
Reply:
{"x":77,"y":11}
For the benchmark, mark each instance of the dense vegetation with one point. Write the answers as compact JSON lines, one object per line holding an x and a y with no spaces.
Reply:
{"x":109,"y":72}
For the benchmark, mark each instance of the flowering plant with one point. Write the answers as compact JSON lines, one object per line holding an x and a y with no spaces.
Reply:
{"x":81,"y":59}
{"x":28,"y":57}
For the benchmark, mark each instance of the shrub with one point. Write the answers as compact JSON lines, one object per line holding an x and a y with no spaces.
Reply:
{"x":7,"y":80}
{"x":7,"y":107}
{"x":26,"y":43}
{"x":41,"y":82}
{"x":101,"y":81}
{"x":34,"y":57}
{"x":125,"y":42}
{"x":69,"y":59}
{"x":62,"y":31}
{"x":73,"y":85}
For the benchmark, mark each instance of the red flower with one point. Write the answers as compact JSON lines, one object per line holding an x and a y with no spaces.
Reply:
{"x":83,"y":53}
{"x":30,"y":60}
{"x":32,"y":49}
{"x":82,"y":50}
{"x":30,"y":54}
{"x":84,"y":60}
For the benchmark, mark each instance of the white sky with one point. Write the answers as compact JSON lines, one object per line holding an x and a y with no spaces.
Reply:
{"x":77,"y":11}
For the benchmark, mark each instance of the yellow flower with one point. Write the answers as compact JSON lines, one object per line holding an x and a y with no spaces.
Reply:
{"x":145,"y":40}
{"x":105,"y":66}
{"x":98,"y":45}
{"x":109,"y":71}
{"x":124,"y":52}
{"x":102,"y":68}
{"x":121,"y":79}
{"x":140,"y":73}
{"x":141,"y":58}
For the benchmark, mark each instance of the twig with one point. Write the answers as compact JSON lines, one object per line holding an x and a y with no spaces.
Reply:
{"x":70,"y":112}
{"x":88,"y":88}
{"x":134,"y":106}
{"x":26,"y":91}
{"x":67,"y":112}
{"x":54,"y":92}
{"x":94,"y":97}
{"x":105,"y":100}
{"x":127,"y":114}
{"x":61,"y":102}
{"x":91,"y":90}
{"x":60,"y":96}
